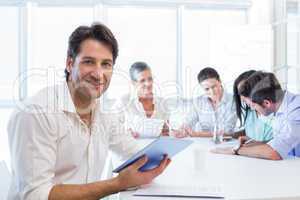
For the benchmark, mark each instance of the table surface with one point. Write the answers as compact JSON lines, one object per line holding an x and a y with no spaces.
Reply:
{"x":239,"y":177}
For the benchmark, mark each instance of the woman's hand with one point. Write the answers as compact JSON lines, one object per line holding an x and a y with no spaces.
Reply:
{"x":134,"y":133}
{"x":166,"y":129}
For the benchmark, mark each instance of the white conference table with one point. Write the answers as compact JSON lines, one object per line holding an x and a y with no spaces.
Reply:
{"x":239,"y":177}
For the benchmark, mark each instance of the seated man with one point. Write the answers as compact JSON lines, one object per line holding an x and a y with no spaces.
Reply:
{"x":214,"y":108}
{"x":60,"y":139}
{"x":262,"y":92}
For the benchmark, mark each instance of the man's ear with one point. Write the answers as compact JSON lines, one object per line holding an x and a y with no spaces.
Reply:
{"x":69,"y":64}
{"x":267,"y":103}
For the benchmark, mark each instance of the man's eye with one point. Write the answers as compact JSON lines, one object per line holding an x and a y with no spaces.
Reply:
{"x":107,"y":65}
{"x":89,"y":62}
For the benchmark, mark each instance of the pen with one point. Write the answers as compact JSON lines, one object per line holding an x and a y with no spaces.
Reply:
{"x":248,"y":141}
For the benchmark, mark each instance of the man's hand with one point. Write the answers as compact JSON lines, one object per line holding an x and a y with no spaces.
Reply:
{"x":132,"y":177}
{"x":243,"y":139}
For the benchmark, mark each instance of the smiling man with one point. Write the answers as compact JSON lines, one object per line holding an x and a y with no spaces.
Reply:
{"x":60,"y":138}
{"x":263,"y":93}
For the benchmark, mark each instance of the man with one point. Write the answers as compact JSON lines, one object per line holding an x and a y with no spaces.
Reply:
{"x":263,"y":93}
{"x":60,"y":139}
{"x":215,"y":108}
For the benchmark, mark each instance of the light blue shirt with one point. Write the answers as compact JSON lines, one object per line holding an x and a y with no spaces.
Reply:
{"x":286,"y":127}
{"x":258,"y":129}
{"x":203,"y":117}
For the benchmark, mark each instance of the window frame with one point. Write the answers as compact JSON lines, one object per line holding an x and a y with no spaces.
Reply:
{"x":26,"y":6}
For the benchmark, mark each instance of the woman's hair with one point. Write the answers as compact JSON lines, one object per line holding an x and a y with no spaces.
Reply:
{"x":137,"y":68}
{"x":208,"y":73}
{"x":241,"y":110}
{"x":262,"y":86}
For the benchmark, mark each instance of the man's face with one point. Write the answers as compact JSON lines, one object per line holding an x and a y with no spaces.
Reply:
{"x":212,"y":88}
{"x":91,"y":70}
{"x":265,"y":109}
{"x":144,"y":84}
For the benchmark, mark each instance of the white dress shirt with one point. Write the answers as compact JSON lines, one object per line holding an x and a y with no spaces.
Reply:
{"x":203,"y":117}
{"x":50,"y":144}
{"x":136,"y":118}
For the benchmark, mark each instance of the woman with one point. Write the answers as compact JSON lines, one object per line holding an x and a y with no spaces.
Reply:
{"x":145,"y":114}
{"x":255,"y":127}
{"x":215,"y":107}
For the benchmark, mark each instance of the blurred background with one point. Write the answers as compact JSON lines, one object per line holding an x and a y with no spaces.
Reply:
{"x":177,"y":38}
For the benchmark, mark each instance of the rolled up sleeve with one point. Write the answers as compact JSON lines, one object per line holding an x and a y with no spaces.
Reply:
{"x":287,"y":138}
{"x":33,"y":150}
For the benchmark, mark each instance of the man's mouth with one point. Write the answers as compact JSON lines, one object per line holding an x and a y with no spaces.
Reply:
{"x":97,"y":85}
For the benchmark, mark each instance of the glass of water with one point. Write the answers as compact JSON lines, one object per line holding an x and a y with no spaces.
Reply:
{"x":218,"y":133}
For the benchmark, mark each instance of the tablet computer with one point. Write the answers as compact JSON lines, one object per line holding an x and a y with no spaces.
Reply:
{"x":155,"y":152}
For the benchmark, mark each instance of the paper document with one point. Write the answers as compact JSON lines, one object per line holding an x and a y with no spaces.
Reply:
{"x":203,"y":191}
{"x":148,"y":128}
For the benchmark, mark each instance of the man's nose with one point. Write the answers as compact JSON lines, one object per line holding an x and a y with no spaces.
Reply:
{"x":148,"y":83}
{"x":211,"y":91}
{"x":98,"y":73}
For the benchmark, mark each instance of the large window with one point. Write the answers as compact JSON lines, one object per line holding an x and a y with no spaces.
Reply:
{"x":4,"y":150}
{"x":9,"y":51}
{"x":144,"y":34}
{"x":293,"y":46}
{"x":51,"y":27}
{"x":176,"y":38}
{"x":199,"y":47}
{"x":222,"y":39}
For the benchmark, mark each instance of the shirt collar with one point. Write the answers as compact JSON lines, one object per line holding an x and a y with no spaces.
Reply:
{"x":224,"y":98}
{"x":64,"y":99}
{"x":137,"y":101}
{"x":284,"y":103}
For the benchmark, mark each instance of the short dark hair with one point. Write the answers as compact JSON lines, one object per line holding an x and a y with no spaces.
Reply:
{"x":208,"y":73}
{"x":137,"y":68}
{"x":96,"y":31}
{"x":262,"y":86}
{"x":241,"y":110}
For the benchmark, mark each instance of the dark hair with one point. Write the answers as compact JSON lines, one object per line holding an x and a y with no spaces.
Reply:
{"x":262,"y":86}
{"x":96,"y":31}
{"x":241,"y":110}
{"x":137,"y":68}
{"x":207,"y":73}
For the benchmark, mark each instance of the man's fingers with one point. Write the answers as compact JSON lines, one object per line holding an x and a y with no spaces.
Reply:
{"x":140,"y":162}
{"x":159,"y":169}
{"x":242,"y":140}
